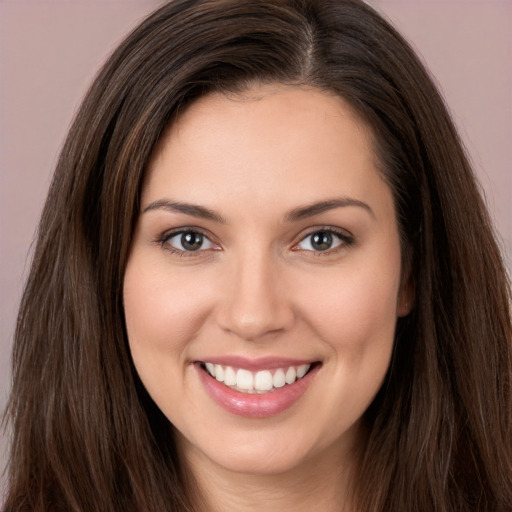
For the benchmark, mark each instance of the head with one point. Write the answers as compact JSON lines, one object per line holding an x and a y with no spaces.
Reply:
{"x":183,"y":53}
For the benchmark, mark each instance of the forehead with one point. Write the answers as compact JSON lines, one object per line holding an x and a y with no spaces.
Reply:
{"x":257,"y":142}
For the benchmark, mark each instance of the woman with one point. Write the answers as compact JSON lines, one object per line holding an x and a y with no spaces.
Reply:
{"x":264,"y":278}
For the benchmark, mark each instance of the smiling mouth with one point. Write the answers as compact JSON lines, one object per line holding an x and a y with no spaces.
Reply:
{"x":257,"y":382}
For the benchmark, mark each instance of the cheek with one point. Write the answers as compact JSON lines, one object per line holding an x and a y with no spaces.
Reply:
{"x":355,"y":318}
{"x":355,"y":313}
{"x":163,"y":312}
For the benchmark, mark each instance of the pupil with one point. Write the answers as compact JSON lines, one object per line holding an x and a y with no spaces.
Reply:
{"x":191,"y":241}
{"x":321,"y":241}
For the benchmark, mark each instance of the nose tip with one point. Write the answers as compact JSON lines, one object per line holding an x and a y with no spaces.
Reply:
{"x":256,"y":304}
{"x":252,"y":325}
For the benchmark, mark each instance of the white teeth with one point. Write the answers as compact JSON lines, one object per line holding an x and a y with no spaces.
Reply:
{"x":302,"y":370}
{"x":291,"y":375}
{"x":263,"y":381}
{"x":219,"y":373}
{"x":279,"y":379}
{"x":229,"y":376}
{"x":244,"y":380}
{"x":260,"y":382}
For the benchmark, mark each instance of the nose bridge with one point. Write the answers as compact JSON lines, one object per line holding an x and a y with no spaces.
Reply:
{"x":256,"y":302}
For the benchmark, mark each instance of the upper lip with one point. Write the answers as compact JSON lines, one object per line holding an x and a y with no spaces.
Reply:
{"x":263,"y":363}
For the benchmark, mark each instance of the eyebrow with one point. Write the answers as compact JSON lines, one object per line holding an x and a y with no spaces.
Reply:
{"x":294,"y":215}
{"x":304,"y":212}
{"x":188,"y":209}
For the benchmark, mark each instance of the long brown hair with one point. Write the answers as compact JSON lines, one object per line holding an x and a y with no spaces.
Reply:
{"x":85,"y":434}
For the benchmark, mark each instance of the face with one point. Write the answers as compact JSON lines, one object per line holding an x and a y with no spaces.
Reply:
{"x":264,"y":281}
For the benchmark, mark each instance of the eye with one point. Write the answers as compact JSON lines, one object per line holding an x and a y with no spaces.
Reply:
{"x":188,"y":241}
{"x":323,"y":240}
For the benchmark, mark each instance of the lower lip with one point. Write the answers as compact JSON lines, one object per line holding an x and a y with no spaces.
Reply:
{"x":255,"y":405}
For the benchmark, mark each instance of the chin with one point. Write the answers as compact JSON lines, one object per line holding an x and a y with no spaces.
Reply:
{"x":265,"y":452}
{"x":254,"y":461}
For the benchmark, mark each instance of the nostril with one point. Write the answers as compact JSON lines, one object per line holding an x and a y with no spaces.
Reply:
{"x":254,"y":302}
{"x":253,"y":321}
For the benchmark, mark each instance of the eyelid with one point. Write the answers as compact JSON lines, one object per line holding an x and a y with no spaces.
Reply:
{"x":164,"y":238}
{"x":346,"y":239}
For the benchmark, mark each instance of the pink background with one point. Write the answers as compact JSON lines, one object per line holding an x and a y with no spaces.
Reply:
{"x":51,"y":50}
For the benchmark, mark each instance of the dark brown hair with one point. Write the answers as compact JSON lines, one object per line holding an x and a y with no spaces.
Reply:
{"x":85,"y":434}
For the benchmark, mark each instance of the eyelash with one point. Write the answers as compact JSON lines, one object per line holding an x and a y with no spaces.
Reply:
{"x":163,"y":240}
{"x":346,"y":240}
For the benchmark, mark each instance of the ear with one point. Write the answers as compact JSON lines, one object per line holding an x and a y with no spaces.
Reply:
{"x":405,"y":301}
{"x":406,"y":294}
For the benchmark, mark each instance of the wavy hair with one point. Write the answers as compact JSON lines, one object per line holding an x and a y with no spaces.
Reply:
{"x":85,"y":434}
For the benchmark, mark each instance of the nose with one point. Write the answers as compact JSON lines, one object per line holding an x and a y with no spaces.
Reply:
{"x":256,"y":302}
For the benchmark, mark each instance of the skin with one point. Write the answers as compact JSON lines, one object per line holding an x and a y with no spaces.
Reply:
{"x":258,"y":288}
